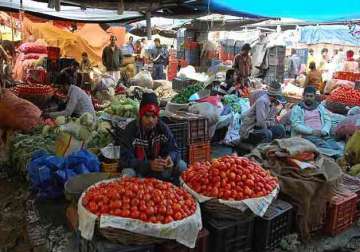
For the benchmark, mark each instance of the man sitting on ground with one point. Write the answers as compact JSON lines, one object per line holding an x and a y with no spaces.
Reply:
{"x":259,"y":122}
{"x":149,"y":147}
{"x":312,"y":121}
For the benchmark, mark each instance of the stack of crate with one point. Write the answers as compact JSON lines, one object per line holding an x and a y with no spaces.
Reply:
{"x":192,"y":136}
{"x":276,"y":69}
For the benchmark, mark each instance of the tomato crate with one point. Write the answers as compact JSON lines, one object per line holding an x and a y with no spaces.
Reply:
{"x":273,"y":226}
{"x":200,"y":246}
{"x":102,"y":245}
{"x":340,"y":213}
{"x":353,"y":184}
{"x":199,"y":152}
{"x":230,"y":235}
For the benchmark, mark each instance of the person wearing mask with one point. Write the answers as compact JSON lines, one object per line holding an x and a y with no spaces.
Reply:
{"x":149,"y":147}
{"x":258,"y":124}
{"x":350,"y":65}
{"x":77,"y":104}
{"x":112,"y":59}
{"x":243,"y":66}
{"x":310,"y":59}
{"x":310,"y":120}
{"x":159,"y":57}
{"x":140,"y":54}
{"x":314,"y":78}
{"x":294,"y":65}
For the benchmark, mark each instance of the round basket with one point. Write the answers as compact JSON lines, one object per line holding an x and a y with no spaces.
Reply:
{"x":39,"y":100}
{"x":128,"y":238}
{"x":76,"y":185}
{"x":217,"y":210}
{"x":292,"y":99}
{"x":110,"y":167}
{"x":337,"y":107}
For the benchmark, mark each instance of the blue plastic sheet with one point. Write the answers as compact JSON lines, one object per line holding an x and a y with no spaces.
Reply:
{"x":49,"y":173}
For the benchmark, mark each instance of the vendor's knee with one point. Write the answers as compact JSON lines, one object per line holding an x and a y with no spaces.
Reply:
{"x":181,"y":166}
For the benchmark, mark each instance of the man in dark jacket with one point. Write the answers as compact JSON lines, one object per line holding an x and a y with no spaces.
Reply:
{"x":159,"y":57}
{"x":112,"y":59}
{"x":149,"y":148}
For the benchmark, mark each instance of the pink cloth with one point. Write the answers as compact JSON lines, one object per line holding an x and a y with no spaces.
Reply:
{"x":312,"y":119}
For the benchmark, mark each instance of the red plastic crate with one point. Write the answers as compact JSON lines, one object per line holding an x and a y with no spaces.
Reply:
{"x":340,"y":213}
{"x":198,"y":130}
{"x":199,"y":152}
{"x":353,"y":184}
{"x":201,"y":244}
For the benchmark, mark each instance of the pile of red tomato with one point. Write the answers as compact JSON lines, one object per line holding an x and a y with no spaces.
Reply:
{"x":36,"y":89}
{"x":230,"y":178}
{"x":345,"y":95}
{"x":149,"y":200}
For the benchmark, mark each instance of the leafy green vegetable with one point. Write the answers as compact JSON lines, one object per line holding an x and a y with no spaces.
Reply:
{"x":184,"y":95}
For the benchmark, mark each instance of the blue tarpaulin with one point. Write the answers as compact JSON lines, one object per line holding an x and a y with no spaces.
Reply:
{"x":319,"y":10}
{"x":338,"y":34}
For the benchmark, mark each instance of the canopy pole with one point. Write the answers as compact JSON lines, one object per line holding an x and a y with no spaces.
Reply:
{"x":148,"y":24}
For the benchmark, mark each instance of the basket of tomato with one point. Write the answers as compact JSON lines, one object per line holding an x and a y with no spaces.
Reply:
{"x":345,"y":95}
{"x":36,"y":93}
{"x":136,"y":211}
{"x":228,"y":186}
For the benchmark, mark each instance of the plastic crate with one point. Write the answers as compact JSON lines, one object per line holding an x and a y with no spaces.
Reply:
{"x":199,"y":152}
{"x":230,"y":235}
{"x":273,"y":226}
{"x":353,"y":184}
{"x":102,"y":245}
{"x":198,"y":130}
{"x":179,"y":131}
{"x":201,"y":244}
{"x":340,"y":213}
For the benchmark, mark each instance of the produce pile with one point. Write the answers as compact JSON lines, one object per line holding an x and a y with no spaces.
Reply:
{"x":23,"y":146}
{"x":184,"y":95}
{"x":124,"y":107}
{"x":345,"y":95}
{"x":233,"y":101}
{"x":101,"y":136}
{"x":230,"y":178}
{"x":149,"y":200}
{"x":36,"y":89}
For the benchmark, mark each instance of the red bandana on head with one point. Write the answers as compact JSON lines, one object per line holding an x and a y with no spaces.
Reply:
{"x":149,"y":108}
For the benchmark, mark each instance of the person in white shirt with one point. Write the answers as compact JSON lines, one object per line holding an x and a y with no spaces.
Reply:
{"x":78,"y":103}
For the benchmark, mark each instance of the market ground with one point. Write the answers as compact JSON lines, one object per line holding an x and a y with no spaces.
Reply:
{"x":14,"y":219}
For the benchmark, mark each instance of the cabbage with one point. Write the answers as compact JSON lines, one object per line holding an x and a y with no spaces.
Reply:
{"x":60,"y":120}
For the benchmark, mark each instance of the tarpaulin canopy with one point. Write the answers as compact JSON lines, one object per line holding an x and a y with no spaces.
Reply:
{"x":319,"y":10}
{"x":69,"y":12}
{"x":337,"y":34}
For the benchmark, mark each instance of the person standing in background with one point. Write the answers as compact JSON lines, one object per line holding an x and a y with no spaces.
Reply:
{"x":350,"y":65}
{"x":159,"y":57}
{"x":112,"y":59}
{"x":139,"y":56}
{"x":310,"y":59}
{"x":130,"y":45}
{"x":294,"y":65}
{"x":243,"y":66}
{"x":324,"y":65}
{"x":314,"y":77}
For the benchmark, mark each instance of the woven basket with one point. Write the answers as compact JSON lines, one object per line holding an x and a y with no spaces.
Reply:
{"x":110,"y":168}
{"x":128,"y":238}
{"x":217,"y":210}
{"x":291,"y":99}
{"x":39,"y":100}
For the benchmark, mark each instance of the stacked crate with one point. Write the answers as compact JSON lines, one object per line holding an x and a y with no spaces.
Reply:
{"x":192,"y":136}
{"x":353,"y":184}
{"x":276,"y":70}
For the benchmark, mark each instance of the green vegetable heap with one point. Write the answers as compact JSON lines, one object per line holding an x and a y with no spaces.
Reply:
{"x":124,"y":107}
{"x":184,"y":95}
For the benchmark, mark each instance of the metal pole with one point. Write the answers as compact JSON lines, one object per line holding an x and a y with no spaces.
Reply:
{"x":148,"y":24}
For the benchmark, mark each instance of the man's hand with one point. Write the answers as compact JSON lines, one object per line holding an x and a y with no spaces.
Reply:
{"x":157,"y":165}
{"x":316,"y":132}
{"x":169,"y":162}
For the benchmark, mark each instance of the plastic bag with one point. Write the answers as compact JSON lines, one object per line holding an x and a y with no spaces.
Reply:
{"x":143,"y":79}
{"x":209,"y":111}
{"x":67,"y":144}
{"x":184,"y":231}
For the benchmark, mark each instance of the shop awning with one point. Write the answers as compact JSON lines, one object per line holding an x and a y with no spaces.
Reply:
{"x":69,"y":12}
{"x":319,"y":10}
